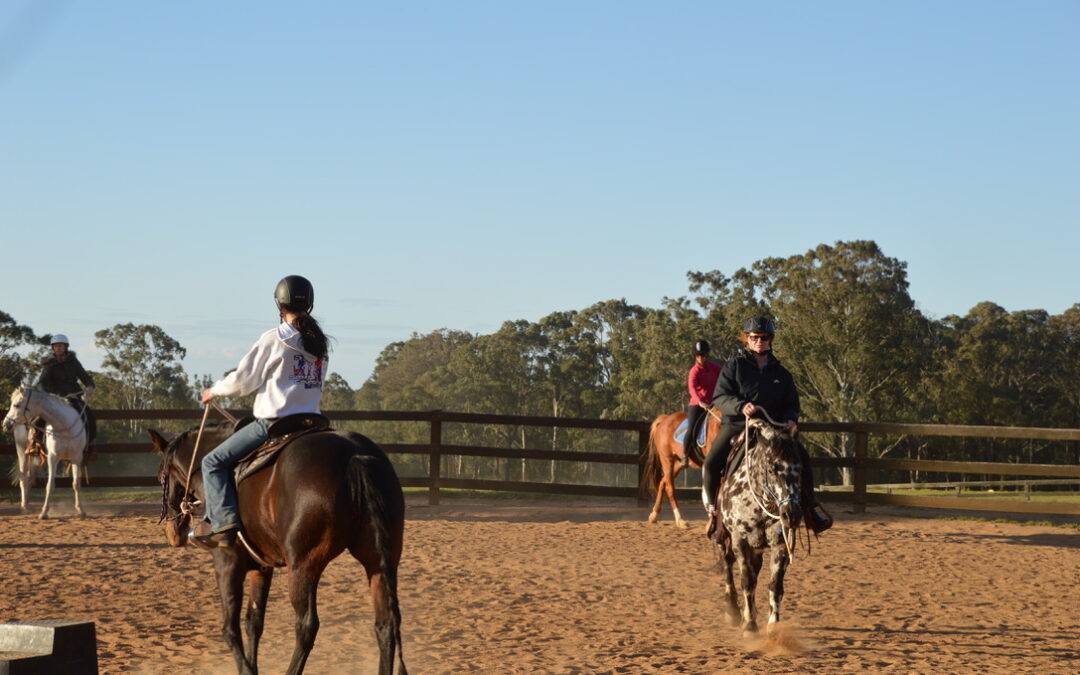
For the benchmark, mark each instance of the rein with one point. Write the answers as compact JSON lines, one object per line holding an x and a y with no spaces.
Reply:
{"x":186,"y":506}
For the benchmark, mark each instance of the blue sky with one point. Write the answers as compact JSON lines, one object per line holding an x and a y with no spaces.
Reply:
{"x":458,"y":164}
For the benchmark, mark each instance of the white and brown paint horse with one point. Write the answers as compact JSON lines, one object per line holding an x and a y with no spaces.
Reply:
{"x":760,"y":512}
{"x":65,"y":441}
{"x":663,"y":463}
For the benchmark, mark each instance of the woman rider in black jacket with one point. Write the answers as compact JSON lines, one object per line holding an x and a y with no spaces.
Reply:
{"x":754,"y":380}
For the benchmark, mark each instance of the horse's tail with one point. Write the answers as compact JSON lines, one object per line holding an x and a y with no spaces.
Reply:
{"x":652,"y":471}
{"x":367,"y":495}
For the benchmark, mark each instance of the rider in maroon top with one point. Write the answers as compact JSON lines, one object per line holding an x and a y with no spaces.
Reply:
{"x":701,"y":381}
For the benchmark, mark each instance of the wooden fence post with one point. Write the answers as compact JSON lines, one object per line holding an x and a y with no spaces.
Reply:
{"x":643,"y":447}
{"x":859,"y":495}
{"x":435,"y":460}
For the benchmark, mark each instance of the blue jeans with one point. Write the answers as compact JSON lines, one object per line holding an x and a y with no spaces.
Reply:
{"x":219,"y":492}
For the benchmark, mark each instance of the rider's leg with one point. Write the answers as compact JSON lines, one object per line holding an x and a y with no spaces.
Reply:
{"x":219,"y":491}
{"x":712,"y":470}
{"x":818,"y":521}
{"x":693,"y":414}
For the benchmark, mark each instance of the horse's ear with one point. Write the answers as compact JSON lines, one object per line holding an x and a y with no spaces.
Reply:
{"x":159,"y":441}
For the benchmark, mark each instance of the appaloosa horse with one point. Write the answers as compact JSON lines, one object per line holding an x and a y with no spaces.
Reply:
{"x":65,"y":440}
{"x":759,"y":512}
{"x":664,"y":459}
{"x":327,"y":492}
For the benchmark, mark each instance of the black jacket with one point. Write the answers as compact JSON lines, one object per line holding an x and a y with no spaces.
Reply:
{"x":63,"y":377}
{"x":771,"y":388}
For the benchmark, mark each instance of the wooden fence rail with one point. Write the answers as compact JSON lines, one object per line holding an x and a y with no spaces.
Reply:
{"x":859,"y":463}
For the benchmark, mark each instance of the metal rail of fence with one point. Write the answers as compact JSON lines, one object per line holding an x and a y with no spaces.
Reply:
{"x":860,"y":463}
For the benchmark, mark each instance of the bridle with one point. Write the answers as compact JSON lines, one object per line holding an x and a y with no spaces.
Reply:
{"x":187,"y":506}
{"x":768,"y":493}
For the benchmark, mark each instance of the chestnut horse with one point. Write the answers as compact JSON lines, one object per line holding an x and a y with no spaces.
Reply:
{"x":328,"y":492}
{"x":664,"y":459}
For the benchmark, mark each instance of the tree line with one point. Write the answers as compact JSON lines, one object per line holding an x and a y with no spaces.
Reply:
{"x":847,"y":328}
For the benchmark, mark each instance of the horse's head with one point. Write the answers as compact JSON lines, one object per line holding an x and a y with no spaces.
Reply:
{"x":777,"y":460}
{"x":172,"y":477}
{"x":16,"y":414}
{"x":181,"y":477}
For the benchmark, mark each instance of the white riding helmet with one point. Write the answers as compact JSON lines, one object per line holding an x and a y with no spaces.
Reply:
{"x":60,"y":339}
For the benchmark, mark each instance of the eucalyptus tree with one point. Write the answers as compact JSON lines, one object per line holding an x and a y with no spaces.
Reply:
{"x":19,"y":346}
{"x":847,"y":329}
{"x":142,"y":369}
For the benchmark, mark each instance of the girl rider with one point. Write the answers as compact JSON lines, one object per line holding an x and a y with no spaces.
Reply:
{"x":286,"y":369}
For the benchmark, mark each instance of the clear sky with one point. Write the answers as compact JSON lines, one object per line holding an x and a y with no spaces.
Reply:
{"x":458,"y":164}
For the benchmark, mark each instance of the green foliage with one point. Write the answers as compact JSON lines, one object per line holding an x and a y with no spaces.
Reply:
{"x":20,"y":352}
{"x":847,"y":329}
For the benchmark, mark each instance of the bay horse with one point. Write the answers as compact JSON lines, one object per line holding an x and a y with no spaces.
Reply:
{"x":65,"y":441}
{"x":329,"y":491}
{"x":663,"y":462}
{"x":760,"y":512}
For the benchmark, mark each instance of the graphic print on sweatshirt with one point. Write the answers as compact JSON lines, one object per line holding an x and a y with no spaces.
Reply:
{"x":307,"y":373}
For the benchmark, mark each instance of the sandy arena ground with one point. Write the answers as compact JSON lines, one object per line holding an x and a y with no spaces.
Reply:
{"x":575,"y":587}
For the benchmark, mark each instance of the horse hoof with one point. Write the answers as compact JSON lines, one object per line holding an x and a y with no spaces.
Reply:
{"x":43,"y":516}
{"x":682,"y":525}
{"x":750,"y":631}
{"x":654,"y":517}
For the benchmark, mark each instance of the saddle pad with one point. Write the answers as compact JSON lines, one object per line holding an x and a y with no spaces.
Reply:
{"x":267,"y":453}
{"x":680,"y":433}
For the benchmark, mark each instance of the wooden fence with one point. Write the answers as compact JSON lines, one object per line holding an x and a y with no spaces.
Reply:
{"x":859,"y":463}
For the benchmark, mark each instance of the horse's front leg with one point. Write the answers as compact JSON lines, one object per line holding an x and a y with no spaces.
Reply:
{"x":49,"y":484}
{"x":25,"y":471}
{"x":749,"y":568}
{"x":230,"y":579}
{"x":778,"y":562}
{"x":727,"y":565}
{"x":258,"y":589}
{"x":76,"y":478}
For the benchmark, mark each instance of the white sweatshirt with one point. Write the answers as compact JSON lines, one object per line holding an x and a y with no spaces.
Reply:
{"x":286,"y":378}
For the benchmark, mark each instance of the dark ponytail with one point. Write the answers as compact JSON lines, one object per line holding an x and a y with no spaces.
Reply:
{"x":314,"y":340}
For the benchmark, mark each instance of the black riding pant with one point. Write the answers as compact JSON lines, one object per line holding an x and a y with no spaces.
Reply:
{"x":694,"y":413}
{"x":713,"y":468}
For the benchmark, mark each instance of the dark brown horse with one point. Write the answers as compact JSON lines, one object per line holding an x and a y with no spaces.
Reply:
{"x":664,"y":459}
{"x":327,"y":492}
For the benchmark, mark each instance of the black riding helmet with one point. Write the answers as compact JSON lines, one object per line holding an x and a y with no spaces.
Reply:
{"x":759,"y":324}
{"x":701,"y":347}
{"x":295,"y":294}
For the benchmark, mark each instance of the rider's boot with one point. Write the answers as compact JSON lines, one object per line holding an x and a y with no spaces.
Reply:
{"x":819,"y":522}
{"x":714,"y":516}
{"x":33,"y":441}
{"x":223,"y":539}
{"x":685,"y":455}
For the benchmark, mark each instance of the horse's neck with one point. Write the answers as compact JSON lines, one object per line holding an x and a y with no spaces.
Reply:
{"x":52,"y":409}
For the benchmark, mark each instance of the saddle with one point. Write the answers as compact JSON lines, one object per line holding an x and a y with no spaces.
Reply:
{"x":681,"y":431}
{"x":281,"y":433}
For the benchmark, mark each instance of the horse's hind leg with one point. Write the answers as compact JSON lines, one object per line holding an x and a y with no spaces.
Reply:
{"x":303,"y":584}
{"x":387,"y":614}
